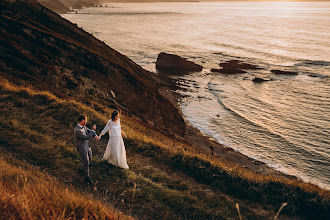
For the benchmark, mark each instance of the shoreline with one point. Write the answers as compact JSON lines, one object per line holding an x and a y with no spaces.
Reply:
{"x":193,"y":136}
{"x":196,"y":138}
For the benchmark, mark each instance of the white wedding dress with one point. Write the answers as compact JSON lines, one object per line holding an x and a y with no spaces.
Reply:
{"x":115,"y":152}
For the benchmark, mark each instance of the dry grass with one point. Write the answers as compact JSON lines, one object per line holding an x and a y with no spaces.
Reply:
{"x":28,"y":113}
{"x":27,"y":116}
{"x":141,"y":134}
{"x":28,"y":193}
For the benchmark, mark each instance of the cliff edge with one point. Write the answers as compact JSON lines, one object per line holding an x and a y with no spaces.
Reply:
{"x":39,"y":48}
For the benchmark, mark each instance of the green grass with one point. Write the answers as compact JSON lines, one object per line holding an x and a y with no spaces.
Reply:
{"x":166,"y":179}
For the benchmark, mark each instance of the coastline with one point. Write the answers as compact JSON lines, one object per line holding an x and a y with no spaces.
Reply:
{"x":174,"y":174}
{"x":146,"y":59}
{"x":193,"y":136}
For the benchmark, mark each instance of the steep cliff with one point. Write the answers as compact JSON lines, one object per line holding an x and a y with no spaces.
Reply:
{"x":41,"y":49}
{"x":55,"y":5}
{"x":62,"y":6}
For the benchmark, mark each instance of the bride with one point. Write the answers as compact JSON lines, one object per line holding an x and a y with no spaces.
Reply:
{"x":115,"y":152}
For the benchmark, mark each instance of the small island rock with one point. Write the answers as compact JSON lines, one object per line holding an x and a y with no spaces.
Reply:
{"x":281,"y":72}
{"x":234,"y":66}
{"x":257,"y":79}
{"x":172,"y":61}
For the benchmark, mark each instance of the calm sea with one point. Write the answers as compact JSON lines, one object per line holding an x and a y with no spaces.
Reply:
{"x":284,"y":122}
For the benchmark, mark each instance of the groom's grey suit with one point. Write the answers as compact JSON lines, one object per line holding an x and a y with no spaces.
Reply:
{"x":82,"y":135}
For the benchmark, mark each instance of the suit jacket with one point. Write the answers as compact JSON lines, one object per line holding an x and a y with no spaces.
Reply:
{"x":82,"y":138}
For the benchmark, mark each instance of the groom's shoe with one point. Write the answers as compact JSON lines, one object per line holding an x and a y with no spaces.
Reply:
{"x":88,"y":180}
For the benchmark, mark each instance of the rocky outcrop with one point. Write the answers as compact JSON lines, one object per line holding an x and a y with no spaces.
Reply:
{"x":236,"y":64}
{"x":62,"y":6}
{"x":282,"y":72}
{"x":257,"y":79}
{"x":84,"y":3}
{"x":170,"y":61}
{"x":227,"y":71}
{"x":317,"y":75}
{"x":39,"y":48}
{"x":234,"y":67}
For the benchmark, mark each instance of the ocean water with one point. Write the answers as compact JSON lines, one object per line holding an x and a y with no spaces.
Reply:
{"x":284,"y":122}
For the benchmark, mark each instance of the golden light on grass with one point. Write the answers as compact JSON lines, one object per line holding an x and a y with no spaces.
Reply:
{"x":142,"y":134}
{"x":33,"y":140}
{"x":27,"y":193}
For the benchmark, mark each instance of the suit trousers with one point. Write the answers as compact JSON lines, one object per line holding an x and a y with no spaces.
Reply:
{"x":86,"y":158}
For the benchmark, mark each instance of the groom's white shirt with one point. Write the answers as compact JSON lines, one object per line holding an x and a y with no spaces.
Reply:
{"x":82,"y":127}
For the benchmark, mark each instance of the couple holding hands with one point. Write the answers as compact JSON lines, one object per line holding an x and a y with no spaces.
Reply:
{"x":115,"y":152}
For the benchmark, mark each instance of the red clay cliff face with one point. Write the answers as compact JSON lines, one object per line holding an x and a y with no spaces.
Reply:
{"x":41,"y":49}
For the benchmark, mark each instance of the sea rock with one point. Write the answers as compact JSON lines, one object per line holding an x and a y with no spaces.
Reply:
{"x":236,"y":64}
{"x":172,"y":61}
{"x":282,"y":72}
{"x":215,"y":70}
{"x":317,"y":75}
{"x":257,"y":79}
{"x":233,"y":67}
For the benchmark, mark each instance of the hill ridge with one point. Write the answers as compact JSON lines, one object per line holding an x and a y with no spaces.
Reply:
{"x":70,"y":61}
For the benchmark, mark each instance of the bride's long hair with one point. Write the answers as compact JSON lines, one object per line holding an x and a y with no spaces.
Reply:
{"x":114,"y":114}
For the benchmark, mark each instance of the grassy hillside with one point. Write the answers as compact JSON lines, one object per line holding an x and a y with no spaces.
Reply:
{"x":56,"y":71}
{"x":38,"y":47}
{"x":28,"y":193}
{"x":167,"y":178}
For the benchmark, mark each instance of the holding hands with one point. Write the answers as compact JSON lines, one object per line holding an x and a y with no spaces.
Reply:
{"x":98,"y":138}
{"x":108,"y":126}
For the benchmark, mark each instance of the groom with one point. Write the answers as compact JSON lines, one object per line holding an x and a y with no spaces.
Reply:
{"x":82,"y":135}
